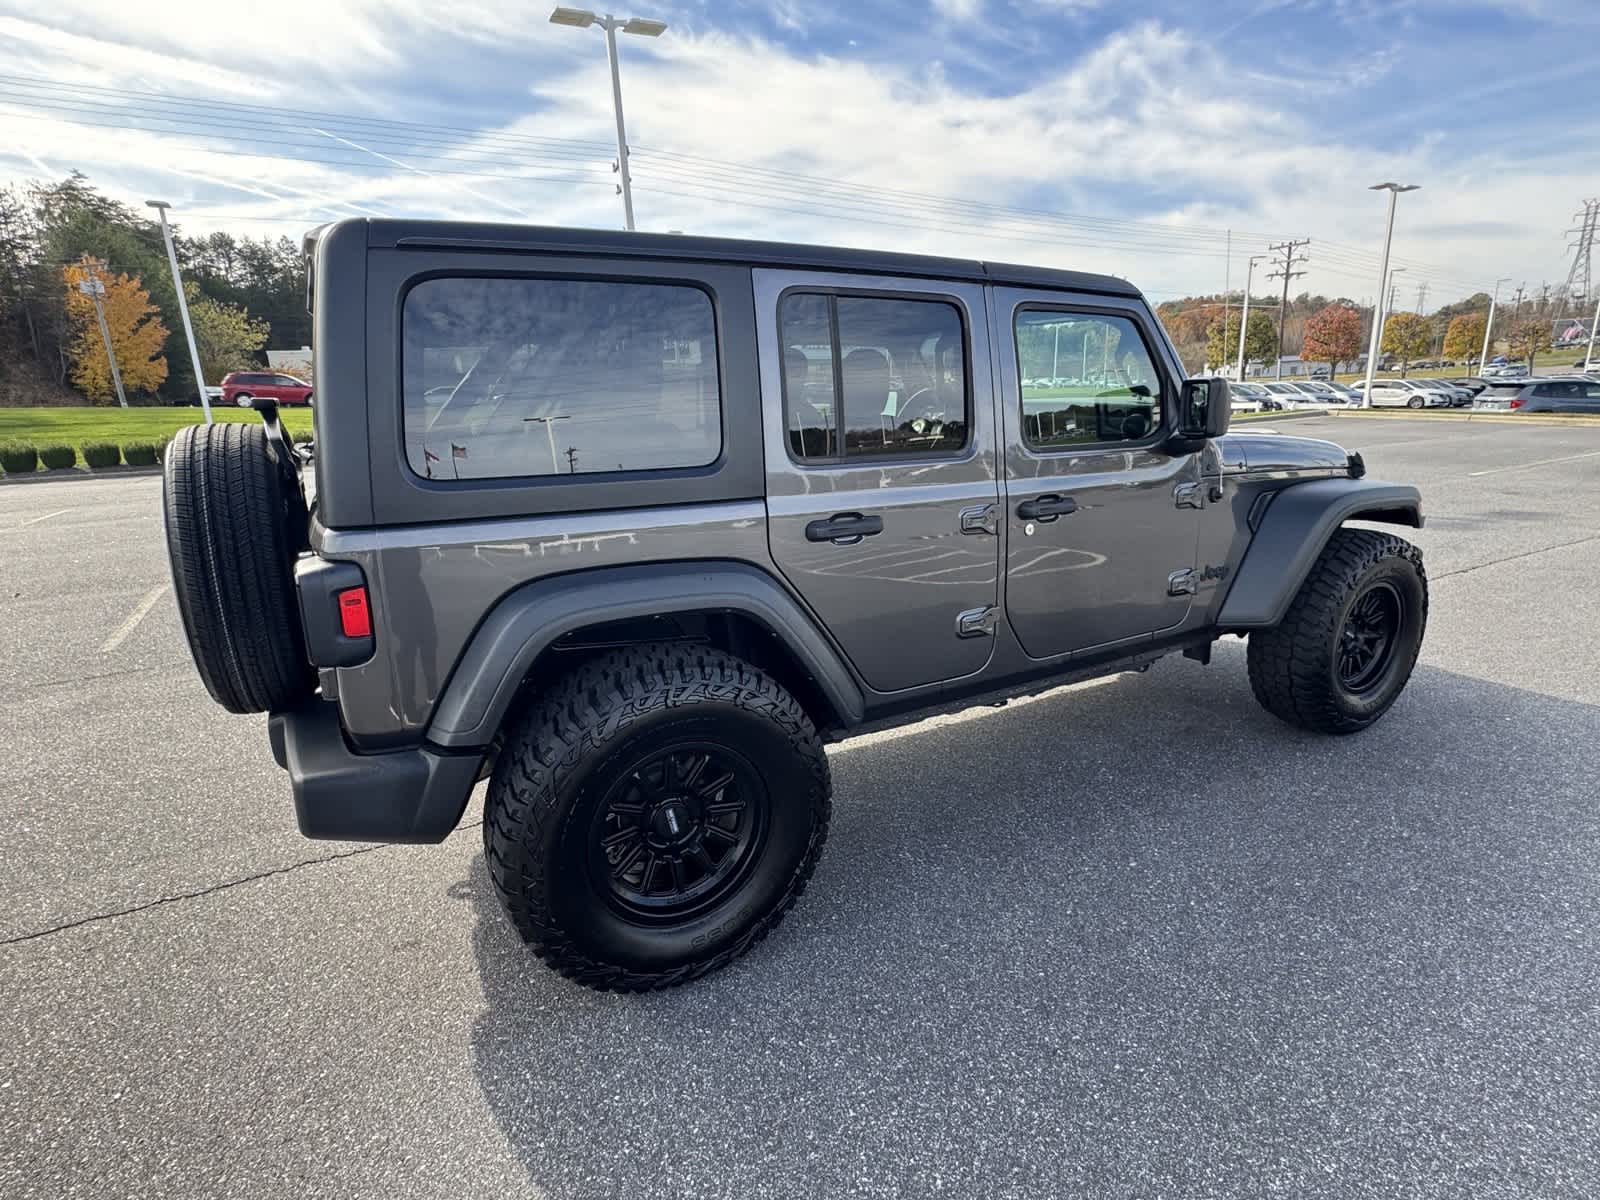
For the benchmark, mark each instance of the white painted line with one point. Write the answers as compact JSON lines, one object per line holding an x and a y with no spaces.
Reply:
{"x":1541,"y":463}
{"x":36,"y":520}
{"x":132,"y":623}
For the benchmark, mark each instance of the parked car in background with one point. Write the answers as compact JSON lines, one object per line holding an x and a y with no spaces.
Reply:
{"x":1294,"y":395}
{"x":1459,"y":395}
{"x":1558,"y":396}
{"x":1505,"y":371}
{"x":1472,"y":383}
{"x":1498,"y":393}
{"x":1345,"y":392}
{"x":1249,"y":397}
{"x":240,"y":387}
{"x":1407,"y":393}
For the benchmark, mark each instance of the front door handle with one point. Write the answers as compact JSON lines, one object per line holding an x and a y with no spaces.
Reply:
{"x":1046,"y":508}
{"x":843,"y":529}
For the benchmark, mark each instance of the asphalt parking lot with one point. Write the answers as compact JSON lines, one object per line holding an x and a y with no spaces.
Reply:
{"x":1132,"y":939}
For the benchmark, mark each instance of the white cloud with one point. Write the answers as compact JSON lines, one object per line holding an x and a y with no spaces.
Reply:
{"x":959,"y":10}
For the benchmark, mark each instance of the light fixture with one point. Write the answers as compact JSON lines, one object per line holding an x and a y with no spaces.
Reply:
{"x":578,"y":18}
{"x":644,"y":27}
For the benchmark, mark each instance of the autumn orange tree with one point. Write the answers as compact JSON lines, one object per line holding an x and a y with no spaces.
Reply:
{"x":137,"y":336}
{"x":1333,"y":336}
{"x":1463,"y":340}
{"x":1407,"y":336}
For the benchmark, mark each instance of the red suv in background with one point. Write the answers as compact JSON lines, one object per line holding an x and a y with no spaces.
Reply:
{"x":238,"y":387}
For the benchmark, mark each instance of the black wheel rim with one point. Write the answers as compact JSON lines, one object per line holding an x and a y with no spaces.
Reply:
{"x":1368,"y":639}
{"x":678,"y":831}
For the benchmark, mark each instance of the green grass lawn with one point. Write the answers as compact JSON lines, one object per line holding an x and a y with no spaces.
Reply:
{"x":75,"y":426}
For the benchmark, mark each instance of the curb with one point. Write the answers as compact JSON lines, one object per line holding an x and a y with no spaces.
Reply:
{"x":46,"y":476}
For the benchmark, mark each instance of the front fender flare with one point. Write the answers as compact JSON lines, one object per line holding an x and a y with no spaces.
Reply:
{"x":1295,"y":528}
{"x":527,"y":620}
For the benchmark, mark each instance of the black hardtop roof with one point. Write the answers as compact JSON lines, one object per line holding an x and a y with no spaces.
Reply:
{"x":473,"y":235}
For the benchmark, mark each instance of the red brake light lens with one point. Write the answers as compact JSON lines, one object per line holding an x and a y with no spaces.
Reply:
{"x":355,"y":613}
{"x":1516,"y":402}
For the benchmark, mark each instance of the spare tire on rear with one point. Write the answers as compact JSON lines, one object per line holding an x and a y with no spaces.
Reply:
{"x":235,"y":522}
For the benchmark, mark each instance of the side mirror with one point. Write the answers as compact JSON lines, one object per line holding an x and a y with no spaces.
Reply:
{"x":1204,"y":408}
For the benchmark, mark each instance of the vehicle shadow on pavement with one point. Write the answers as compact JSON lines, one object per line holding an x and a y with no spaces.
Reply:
{"x":1134,"y":939}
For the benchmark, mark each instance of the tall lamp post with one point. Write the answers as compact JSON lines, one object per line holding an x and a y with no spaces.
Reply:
{"x":1488,"y":326}
{"x":161,"y":207}
{"x":1394,"y":190}
{"x":1594,"y":326}
{"x":581,"y":18}
{"x":1244,"y":319}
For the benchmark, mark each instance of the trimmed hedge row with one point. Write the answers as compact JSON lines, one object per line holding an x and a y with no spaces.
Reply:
{"x":20,"y":458}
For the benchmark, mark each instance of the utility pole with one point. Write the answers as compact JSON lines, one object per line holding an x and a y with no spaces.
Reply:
{"x":1516,"y":313}
{"x":1244,"y":318}
{"x":1227,"y":286}
{"x":1393,"y":288}
{"x":1285,"y":265}
{"x":94,"y":287}
{"x":572,"y":460}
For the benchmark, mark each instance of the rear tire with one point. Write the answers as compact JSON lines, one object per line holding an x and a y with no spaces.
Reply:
{"x":1414,"y":402}
{"x":233,"y":531}
{"x":1344,"y":650}
{"x":598,"y":827}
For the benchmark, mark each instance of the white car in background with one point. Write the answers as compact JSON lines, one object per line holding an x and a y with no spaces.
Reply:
{"x":1297,"y":395}
{"x":1407,"y":393}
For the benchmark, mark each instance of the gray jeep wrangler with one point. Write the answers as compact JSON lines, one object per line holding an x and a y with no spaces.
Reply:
{"x":632,"y":525}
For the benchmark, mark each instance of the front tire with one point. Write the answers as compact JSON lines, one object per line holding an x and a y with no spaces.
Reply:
{"x":655,"y":815}
{"x":1414,"y":402}
{"x":1346,"y":647}
{"x":243,"y":399}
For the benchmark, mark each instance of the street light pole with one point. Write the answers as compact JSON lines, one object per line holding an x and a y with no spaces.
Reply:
{"x":1244,"y":319}
{"x":161,"y":207}
{"x":580,"y":18}
{"x":1593,"y":326}
{"x":1394,"y":190}
{"x":1488,"y":326}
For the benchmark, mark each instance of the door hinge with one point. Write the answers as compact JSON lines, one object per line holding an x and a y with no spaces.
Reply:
{"x":977,"y":622}
{"x":981,"y":518}
{"x":1189,"y":495}
{"x":1182,"y":583}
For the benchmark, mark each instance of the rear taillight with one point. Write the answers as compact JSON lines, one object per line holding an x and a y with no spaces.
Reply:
{"x":355,"y":613}
{"x":1516,"y":402}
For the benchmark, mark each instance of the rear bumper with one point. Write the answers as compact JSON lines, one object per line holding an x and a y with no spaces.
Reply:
{"x":413,"y":795}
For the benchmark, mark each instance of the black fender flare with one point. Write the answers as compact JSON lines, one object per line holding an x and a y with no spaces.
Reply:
{"x":528,"y":619}
{"x":1296,"y":526}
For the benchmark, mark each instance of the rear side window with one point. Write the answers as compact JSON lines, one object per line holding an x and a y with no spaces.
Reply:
{"x":898,"y":364}
{"x":507,"y":378}
{"x":1087,"y":378}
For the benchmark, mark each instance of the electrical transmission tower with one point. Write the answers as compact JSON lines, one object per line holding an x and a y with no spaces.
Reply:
{"x":1422,"y":297}
{"x":1288,"y":257}
{"x":1579,"y":278}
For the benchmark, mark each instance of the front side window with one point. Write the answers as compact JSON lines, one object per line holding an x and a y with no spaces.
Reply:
{"x":869,"y":377}
{"x":536,"y":377}
{"x":1085,"y":378}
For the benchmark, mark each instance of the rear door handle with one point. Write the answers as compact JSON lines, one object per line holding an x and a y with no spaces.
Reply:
{"x":843,"y":529}
{"x":1046,"y":508}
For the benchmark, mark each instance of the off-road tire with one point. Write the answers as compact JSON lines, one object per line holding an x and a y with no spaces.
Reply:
{"x":565,"y":754}
{"x":1294,"y":666}
{"x":233,"y":531}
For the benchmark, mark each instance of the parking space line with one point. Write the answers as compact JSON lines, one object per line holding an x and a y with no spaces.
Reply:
{"x":1524,"y":466}
{"x":36,"y":520}
{"x":122,"y":631}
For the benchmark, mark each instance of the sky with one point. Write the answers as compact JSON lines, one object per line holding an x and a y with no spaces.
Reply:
{"x":1165,"y":142}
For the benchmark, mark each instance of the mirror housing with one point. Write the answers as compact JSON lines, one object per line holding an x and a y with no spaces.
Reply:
{"x":1204,"y":407}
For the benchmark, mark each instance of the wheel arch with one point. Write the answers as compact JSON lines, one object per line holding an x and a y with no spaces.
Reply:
{"x":1293,"y":531}
{"x":545,"y":627}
